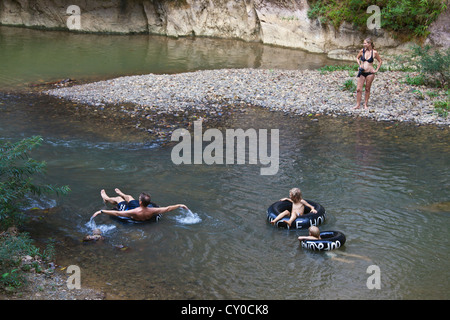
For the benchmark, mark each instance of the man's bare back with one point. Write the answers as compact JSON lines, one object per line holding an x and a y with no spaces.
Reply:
{"x":146,"y":213}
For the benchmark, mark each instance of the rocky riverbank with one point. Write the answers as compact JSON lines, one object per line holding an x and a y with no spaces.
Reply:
{"x":44,"y":280}
{"x":212,"y":93}
{"x":41,"y":286}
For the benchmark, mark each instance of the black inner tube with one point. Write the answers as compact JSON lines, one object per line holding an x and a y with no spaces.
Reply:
{"x":329,"y":240}
{"x":304,"y":221}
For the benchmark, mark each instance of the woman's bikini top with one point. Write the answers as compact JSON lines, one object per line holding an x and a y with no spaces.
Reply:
{"x":363,"y":58}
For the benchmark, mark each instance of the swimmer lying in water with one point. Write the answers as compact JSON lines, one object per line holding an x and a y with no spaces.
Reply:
{"x":298,"y":207}
{"x":134,"y":209}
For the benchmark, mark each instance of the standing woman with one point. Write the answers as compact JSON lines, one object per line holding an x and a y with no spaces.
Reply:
{"x":366,"y":72}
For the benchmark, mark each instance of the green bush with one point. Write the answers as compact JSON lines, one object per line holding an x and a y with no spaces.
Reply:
{"x":434,"y":66}
{"x":13,"y":247}
{"x":16,"y":179}
{"x":16,"y":183}
{"x":412,"y":17}
{"x":331,"y":68}
{"x":415,"y":81}
{"x":443,"y":107}
{"x":349,"y":85}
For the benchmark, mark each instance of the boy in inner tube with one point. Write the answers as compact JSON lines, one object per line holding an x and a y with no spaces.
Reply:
{"x":298,"y":207}
{"x":314,"y":234}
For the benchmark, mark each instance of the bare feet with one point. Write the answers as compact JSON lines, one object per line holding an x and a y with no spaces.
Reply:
{"x":107,"y":199}
{"x":120,"y":193}
{"x":104,"y":196}
{"x":357,"y":107}
{"x":124,"y":196}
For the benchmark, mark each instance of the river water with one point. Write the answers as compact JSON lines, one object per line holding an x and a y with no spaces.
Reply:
{"x":379,"y":184}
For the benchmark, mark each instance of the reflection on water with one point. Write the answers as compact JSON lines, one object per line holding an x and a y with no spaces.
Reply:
{"x":34,"y":57}
{"x":375,"y":180}
{"x":371,"y":177}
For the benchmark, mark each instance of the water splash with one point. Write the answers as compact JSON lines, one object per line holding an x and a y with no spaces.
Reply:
{"x":188,"y":217}
{"x":91,"y":225}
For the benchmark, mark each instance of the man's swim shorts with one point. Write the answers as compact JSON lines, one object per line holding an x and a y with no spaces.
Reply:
{"x":124,"y":206}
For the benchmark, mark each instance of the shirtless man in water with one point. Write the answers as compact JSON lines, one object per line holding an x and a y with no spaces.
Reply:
{"x":298,"y":207}
{"x":134,"y":209}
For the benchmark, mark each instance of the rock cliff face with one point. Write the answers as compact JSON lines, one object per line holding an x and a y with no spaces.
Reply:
{"x":276,"y":22}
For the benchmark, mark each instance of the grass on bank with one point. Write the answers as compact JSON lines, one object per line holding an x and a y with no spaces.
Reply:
{"x":18,"y":254}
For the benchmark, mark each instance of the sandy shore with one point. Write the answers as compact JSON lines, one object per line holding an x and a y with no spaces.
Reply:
{"x":296,"y":92}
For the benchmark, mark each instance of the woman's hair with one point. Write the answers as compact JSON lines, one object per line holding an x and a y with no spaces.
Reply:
{"x":145,"y":199}
{"x":369,"y":40}
{"x":295,"y":194}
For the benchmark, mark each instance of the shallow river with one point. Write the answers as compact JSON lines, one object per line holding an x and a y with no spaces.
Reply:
{"x":378,"y":182}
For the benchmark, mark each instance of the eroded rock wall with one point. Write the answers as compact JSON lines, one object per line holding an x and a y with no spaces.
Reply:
{"x":276,"y":22}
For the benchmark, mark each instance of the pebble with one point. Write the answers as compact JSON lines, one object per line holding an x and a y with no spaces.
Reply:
{"x":291,"y":91}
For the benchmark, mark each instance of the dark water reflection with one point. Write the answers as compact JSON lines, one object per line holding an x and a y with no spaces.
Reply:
{"x":33,"y":57}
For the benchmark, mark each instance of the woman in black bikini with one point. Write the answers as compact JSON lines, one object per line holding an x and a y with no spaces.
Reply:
{"x":366,"y":72}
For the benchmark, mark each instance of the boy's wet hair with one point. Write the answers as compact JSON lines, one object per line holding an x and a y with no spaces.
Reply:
{"x":145,"y":199}
{"x":314,"y":231}
{"x":295,"y":194}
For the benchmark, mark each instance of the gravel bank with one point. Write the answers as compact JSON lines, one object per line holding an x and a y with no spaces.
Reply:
{"x":297,"y":92}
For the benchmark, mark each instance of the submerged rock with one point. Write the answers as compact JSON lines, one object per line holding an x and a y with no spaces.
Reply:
{"x":438,"y":207}
{"x":96,"y":235}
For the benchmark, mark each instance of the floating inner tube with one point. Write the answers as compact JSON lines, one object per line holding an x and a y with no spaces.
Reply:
{"x":303,"y":222}
{"x":130,"y":220}
{"x":329,"y":240}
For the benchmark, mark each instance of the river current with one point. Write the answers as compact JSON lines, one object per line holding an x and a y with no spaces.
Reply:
{"x":384,"y":185}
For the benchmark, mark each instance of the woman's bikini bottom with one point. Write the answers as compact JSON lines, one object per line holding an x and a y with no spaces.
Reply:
{"x":364,"y":74}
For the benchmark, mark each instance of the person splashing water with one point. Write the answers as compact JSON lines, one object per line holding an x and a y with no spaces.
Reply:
{"x":139,"y":210}
{"x":188,"y":217}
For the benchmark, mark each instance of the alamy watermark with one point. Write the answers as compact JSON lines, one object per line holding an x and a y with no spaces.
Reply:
{"x":374,"y":280}
{"x":190,"y":149}
{"x":74,"y":20}
{"x":374,"y":21}
{"x":74,"y":280}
